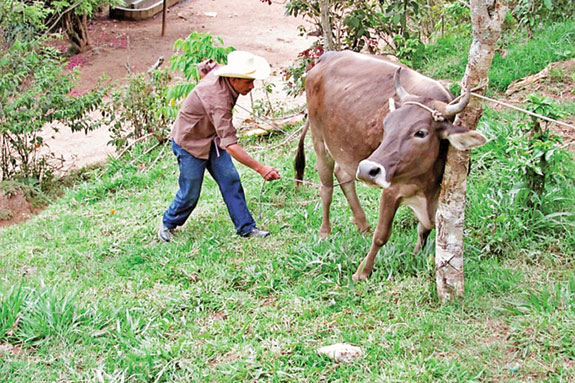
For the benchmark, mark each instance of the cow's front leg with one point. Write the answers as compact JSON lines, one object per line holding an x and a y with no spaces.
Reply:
{"x":422,"y":234}
{"x":347,"y":184}
{"x":387,"y":208}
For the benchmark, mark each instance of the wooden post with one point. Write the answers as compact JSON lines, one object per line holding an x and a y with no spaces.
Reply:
{"x":487,"y":18}
{"x":164,"y":12}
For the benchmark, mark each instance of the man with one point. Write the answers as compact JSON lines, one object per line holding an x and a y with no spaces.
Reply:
{"x":203,"y":137}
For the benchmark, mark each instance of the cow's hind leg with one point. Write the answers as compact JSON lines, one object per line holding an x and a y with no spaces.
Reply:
{"x":388,"y":207}
{"x":347,"y":184}
{"x":325,"y":165}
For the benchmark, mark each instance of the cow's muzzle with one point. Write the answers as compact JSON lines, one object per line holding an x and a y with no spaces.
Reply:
{"x":372,"y":173}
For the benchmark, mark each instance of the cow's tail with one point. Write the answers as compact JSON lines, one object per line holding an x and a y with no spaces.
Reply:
{"x":299,"y":163}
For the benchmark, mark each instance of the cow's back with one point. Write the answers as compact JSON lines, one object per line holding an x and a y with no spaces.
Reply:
{"x":347,"y":98}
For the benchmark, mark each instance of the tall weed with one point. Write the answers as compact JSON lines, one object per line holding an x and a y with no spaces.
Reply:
{"x":49,"y":316}
{"x":11,"y":303}
{"x":502,"y":214}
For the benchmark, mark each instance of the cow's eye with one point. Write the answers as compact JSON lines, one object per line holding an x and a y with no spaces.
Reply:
{"x":421,"y":134}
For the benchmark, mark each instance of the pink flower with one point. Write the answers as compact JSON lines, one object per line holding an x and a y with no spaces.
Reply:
{"x":74,"y":62}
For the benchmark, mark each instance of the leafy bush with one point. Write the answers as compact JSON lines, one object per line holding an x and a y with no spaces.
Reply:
{"x":137,"y":111}
{"x":21,"y":21}
{"x":374,"y":26}
{"x":448,"y":18}
{"x":360,"y":24}
{"x":294,"y":75}
{"x":191,"y":51}
{"x":36,"y":17}
{"x":502,"y":194}
{"x":36,"y":90}
{"x":529,"y":14}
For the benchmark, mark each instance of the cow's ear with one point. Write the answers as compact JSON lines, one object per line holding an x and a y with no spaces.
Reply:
{"x":466,"y":140}
{"x":392,"y":105}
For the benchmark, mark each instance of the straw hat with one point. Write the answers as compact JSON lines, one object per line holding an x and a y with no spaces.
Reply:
{"x":243,"y":64}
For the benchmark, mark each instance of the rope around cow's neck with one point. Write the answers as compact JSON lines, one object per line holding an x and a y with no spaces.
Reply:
{"x":437,"y":116}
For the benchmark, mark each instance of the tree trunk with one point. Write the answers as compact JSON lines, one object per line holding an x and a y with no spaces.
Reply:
{"x":76,"y":29}
{"x":326,"y":25}
{"x":487,"y":17}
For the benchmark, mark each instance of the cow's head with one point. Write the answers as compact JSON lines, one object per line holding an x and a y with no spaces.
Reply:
{"x":413,"y":131}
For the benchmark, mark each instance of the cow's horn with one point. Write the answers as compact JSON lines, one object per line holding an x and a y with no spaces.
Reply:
{"x":452,"y":110}
{"x":399,"y":89}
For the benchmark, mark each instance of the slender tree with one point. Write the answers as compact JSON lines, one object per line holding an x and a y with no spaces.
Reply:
{"x":326,"y":25}
{"x":487,"y":18}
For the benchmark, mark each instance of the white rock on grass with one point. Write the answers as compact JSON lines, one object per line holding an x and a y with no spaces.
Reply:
{"x":341,"y":352}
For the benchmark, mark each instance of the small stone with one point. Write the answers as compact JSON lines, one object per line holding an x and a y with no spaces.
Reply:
{"x":341,"y":352}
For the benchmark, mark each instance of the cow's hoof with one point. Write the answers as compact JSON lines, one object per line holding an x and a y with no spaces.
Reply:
{"x":360,"y":277}
{"x":364,"y":230}
{"x":324,"y":232}
{"x":362,"y":225}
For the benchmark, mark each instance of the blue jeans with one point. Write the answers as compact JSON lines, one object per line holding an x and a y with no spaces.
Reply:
{"x":222,"y":169}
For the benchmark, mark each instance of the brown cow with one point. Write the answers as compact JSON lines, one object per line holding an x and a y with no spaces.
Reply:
{"x":347,"y":99}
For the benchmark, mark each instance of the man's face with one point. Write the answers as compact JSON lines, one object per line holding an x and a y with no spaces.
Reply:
{"x":242,"y":85}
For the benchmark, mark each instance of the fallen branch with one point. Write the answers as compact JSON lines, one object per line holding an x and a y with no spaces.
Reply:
{"x":157,"y":157}
{"x":289,"y":139}
{"x":143,"y":154}
{"x":132,"y":144}
{"x":156,"y":65}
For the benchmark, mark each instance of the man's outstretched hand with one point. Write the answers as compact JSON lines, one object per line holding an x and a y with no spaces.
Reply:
{"x":269,"y":173}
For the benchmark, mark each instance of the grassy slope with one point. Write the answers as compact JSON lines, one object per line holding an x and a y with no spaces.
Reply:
{"x":100,"y":300}
{"x":447,"y":57}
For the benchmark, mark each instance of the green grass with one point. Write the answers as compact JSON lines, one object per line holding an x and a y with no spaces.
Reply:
{"x":447,"y":57}
{"x":87,"y":293}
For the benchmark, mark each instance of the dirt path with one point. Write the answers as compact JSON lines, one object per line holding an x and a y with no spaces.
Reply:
{"x":247,"y":25}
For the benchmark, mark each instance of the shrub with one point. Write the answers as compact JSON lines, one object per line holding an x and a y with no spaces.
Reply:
{"x":36,"y":90}
{"x":196,"y":48}
{"x":137,"y":110}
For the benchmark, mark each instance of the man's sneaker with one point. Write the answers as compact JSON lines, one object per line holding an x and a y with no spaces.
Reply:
{"x":257,"y":233}
{"x":165,"y":234}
